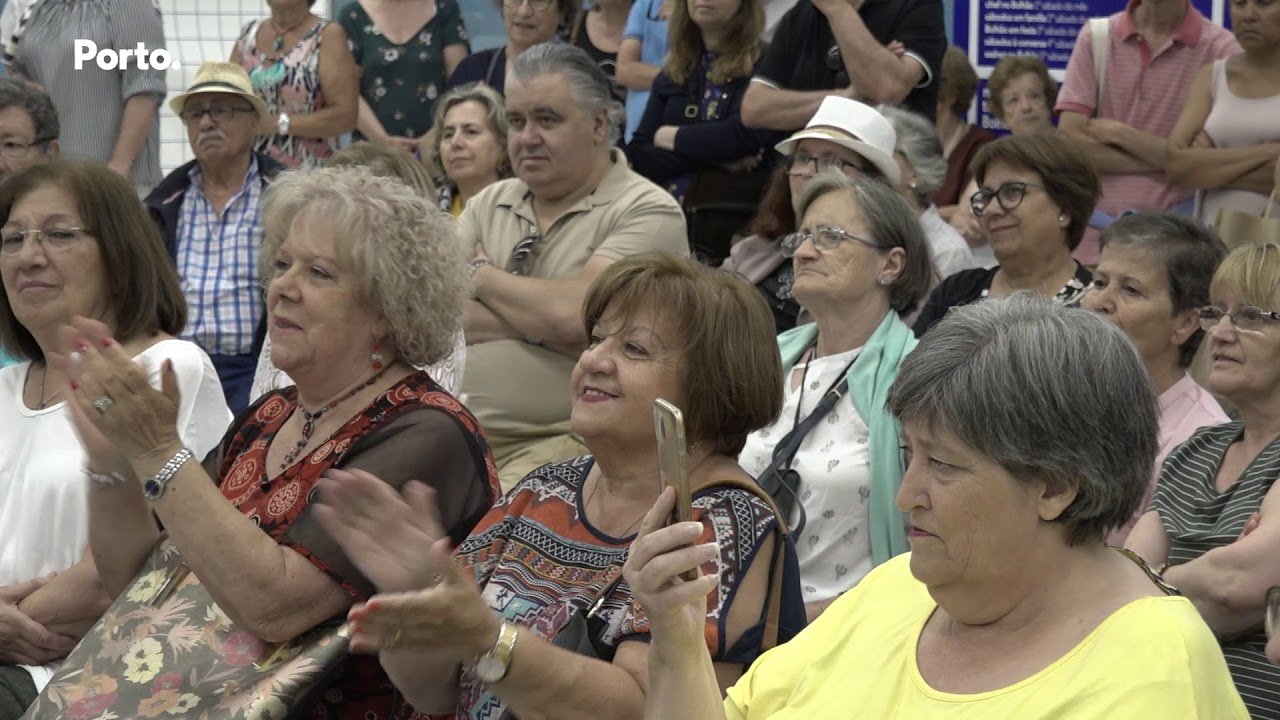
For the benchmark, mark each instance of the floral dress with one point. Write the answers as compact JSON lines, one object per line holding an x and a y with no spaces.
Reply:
{"x":401,"y":82}
{"x":290,"y":84}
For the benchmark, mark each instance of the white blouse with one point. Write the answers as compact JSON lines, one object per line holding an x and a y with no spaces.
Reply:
{"x":833,"y":462}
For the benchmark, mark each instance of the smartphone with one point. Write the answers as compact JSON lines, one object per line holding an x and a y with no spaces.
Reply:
{"x":673,"y":469}
{"x":1273,"y":611}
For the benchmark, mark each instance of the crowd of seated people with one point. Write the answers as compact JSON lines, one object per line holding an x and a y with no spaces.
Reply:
{"x":352,"y":415}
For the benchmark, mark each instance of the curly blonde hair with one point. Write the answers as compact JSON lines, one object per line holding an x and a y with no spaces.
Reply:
{"x":402,"y":250}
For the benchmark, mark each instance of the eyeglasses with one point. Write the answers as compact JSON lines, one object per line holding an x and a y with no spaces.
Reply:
{"x":824,"y":238}
{"x":535,"y":5}
{"x":52,"y":240}
{"x":1009,"y":195}
{"x":835,"y":61}
{"x":1272,"y":619}
{"x":798,"y":161}
{"x":219,"y":113}
{"x":1246,"y":317}
{"x":15,"y":150}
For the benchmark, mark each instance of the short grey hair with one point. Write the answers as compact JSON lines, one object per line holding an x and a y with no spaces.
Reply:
{"x":588,"y":83}
{"x":1047,"y":392}
{"x":891,"y":222}
{"x":36,"y":103}
{"x":403,"y":251}
{"x":1190,"y":253}
{"x":919,"y":144}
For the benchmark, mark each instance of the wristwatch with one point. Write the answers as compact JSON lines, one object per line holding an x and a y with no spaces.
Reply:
{"x":153,"y":487}
{"x":492,"y":666}
{"x":282,"y":124}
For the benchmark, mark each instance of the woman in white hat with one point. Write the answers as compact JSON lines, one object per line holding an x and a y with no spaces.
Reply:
{"x":844,"y":135}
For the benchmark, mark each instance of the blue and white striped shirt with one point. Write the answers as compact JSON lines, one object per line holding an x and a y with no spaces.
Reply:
{"x":218,"y":263}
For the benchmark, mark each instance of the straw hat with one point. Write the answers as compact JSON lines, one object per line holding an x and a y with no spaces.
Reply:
{"x":220,"y":77}
{"x":851,"y":124}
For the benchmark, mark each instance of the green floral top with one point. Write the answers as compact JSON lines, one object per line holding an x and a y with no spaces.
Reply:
{"x":401,"y":82}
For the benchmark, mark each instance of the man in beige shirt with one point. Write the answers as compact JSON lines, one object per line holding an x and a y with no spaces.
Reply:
{"x":539,"y":240}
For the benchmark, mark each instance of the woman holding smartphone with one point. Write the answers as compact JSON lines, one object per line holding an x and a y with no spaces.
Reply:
{"x":548,"y":557}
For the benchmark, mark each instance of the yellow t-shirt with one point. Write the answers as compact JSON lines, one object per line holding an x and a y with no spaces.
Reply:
{"x":1153,"y":658}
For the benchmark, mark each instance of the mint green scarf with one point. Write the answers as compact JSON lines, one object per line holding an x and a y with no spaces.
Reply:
{"x":869,"y":381}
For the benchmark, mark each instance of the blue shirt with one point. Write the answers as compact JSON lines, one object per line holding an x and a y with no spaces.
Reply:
{"x":217,"y":261}
{"x":644,"y":24}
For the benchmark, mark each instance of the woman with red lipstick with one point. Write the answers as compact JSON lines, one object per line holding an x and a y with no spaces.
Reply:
{"x":1028,"y":431}
{"x":1037,"y":192}
{"x":364,"y":281}
{"x":487,"y":634}
{"x":75,"y":241}
{"x":1212,"y":484}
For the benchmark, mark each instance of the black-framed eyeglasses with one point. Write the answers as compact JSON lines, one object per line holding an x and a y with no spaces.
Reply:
{"x":17,"y":150}
{"x":219,"y":113}
{"x":1009,"y":195}
{"x":1272,"y":618}
{"x":824,"y":238}
{"x":1246,"y":317}
{"x":536,"y":5}
{"x":52,"y":240}
{"x":798,"y":161}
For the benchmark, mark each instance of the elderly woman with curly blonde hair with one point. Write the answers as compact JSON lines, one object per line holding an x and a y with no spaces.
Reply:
{"x":391,"y":162}
{"x":364,"y":281}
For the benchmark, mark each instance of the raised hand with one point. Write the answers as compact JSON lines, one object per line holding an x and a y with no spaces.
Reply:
{"x":450,"y":617}
{"x":115,"y":395}
{"x":676,"y":608}
{"x":388,"y":535}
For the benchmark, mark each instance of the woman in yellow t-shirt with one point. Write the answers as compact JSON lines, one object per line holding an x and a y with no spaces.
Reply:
{"x":1029,"y":431}
{"x":467,"y":144}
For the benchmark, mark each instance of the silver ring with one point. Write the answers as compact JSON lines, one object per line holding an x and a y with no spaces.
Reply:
{"x":75,"y":357}
{"x":103,"y":404}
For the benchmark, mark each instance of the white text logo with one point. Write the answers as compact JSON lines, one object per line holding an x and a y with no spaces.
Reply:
{"x":109,"y":59}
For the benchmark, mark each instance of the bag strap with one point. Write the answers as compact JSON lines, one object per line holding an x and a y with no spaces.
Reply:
{"x":773,"y":602}
{"x":1100,"y":30}
{"x":493,"y":64}
{"x":1271,"y":200}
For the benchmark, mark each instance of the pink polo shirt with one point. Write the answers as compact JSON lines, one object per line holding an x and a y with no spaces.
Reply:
{"x":1144,"y":89}
{"x":1184,"y":408}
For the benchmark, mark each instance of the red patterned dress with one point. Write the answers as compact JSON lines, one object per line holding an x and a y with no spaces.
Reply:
{"x":413,"y":431}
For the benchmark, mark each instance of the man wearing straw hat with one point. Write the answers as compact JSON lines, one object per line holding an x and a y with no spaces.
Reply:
{"x":209,"y":213}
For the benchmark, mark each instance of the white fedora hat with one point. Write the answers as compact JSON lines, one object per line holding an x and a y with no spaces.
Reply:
{"x":851,"y":124}
{"x":220,"y":77}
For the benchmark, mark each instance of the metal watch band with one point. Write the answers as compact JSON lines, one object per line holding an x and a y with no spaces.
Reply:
{"x":493,"y":666}
{"x":111,"y":479}
{"x":153,"y":487}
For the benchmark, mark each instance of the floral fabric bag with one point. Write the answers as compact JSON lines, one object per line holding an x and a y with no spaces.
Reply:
{"x":164,"y":649}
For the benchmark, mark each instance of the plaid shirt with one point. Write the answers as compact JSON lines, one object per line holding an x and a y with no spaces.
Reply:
{"x":217,"y":260}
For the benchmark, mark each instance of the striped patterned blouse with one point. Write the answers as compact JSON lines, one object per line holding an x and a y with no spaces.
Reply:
{"x":1198,"y":518}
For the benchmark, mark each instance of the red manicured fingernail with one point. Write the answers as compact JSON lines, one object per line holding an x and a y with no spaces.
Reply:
{"x":81,"y":346}
{"x":106,"y":342}
{"x":75,"y":385}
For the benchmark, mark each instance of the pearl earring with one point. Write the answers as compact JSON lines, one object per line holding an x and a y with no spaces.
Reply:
{"x":376,"y":357}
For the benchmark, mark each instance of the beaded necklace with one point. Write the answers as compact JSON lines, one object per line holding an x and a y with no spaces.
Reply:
{"x":309,"y":418}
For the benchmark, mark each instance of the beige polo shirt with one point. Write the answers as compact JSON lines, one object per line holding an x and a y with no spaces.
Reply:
{"x":520,"y":391}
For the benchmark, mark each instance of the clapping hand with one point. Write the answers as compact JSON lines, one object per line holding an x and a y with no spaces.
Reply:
{"x":118,"y":415}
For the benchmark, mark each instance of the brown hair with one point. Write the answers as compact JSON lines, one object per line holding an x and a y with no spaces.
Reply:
{"x":1010,"y":67}
{"x":1068,"y":174}
{"x":143,"y":293}
{"x":384,"y":161}
{"x":732,"y":373}
{"x":958,"y":82}
{"x":686,"y":48}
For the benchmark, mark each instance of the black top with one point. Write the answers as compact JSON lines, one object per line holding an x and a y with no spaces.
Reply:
{"x":486,"y":66}
{"x":797,"y":57}
{"x":969,"y":286}
{"x":700,"y":142}
{"x":607,"y":61}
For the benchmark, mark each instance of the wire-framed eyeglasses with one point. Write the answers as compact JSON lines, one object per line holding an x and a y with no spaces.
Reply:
{"x":824,"y":238}
{"x":52,"y":240}
{"x":1249,"y":318}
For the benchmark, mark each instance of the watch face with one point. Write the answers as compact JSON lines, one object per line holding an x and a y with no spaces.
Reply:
{"x":152,"y":489}
{"x":490,"y":669}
